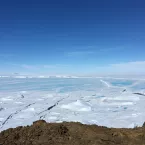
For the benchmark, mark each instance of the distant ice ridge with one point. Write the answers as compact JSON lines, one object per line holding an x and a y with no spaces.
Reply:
{"x":101,"y":101}
{"x":131,"y":77}
{"x":67,"y":76}
{"x":38,"y":76}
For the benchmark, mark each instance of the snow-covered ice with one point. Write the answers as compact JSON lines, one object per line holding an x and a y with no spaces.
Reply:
{"x":102,"y":101}
{"x":77,"y":106}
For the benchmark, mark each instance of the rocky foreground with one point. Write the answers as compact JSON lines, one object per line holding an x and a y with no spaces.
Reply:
{"x":42,"y":133}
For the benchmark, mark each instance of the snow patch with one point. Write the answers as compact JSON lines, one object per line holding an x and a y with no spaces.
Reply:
{"x":77,"y":106}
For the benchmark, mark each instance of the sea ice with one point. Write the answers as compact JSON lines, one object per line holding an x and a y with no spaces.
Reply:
{"x":88,"y":100}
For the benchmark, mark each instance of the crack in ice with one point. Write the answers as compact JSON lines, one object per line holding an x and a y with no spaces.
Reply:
{"x":11,"y":115}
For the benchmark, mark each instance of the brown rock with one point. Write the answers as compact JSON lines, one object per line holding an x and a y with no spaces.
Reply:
{"x":42,"y":133}
{"x":143,"y":125}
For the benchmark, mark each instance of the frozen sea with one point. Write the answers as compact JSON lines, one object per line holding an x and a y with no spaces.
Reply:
{"x":103,"y":101}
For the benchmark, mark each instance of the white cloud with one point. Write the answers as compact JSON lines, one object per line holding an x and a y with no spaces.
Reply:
{"x":42,"y":67}
{"x":124,"y":68}
{"x":112,"y":49}
{"x":55,"y":66}
{"x":89,"y":50}
{"x":33,"y":67}
{"x":6,"y":55}
{"x":135,"y":67}
{"x":79,"y":53}
{"x":132,"y":65}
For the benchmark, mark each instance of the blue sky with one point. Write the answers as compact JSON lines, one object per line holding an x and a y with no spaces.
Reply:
{"x":72,"y":37}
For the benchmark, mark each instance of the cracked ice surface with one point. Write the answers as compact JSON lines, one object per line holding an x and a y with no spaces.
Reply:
{"x":101,"y":101}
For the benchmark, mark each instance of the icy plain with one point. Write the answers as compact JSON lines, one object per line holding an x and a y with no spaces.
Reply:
{"x":102,"y":101}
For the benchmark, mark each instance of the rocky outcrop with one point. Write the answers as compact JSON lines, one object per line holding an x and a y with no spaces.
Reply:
{"x":143,"y":125}
{"x":70,"y":133}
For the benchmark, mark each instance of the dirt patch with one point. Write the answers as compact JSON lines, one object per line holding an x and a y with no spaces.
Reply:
{"x":42,"y":133}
